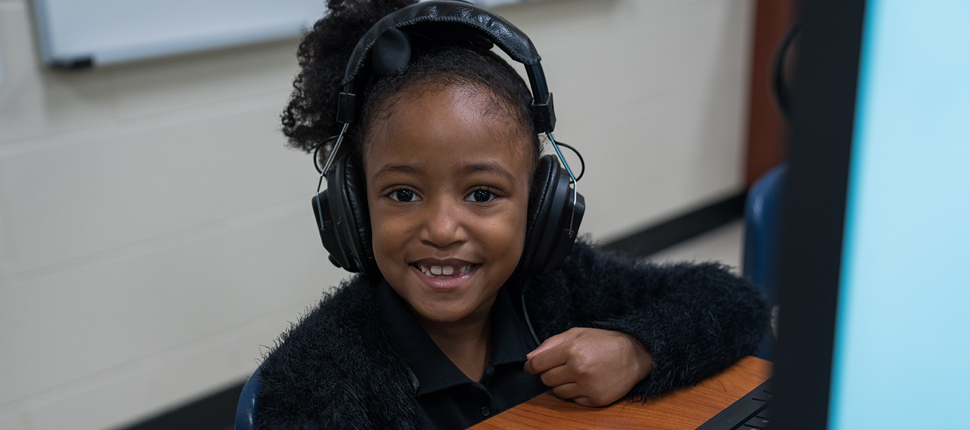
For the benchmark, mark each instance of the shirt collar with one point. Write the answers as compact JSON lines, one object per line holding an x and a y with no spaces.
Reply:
{"x":433,"y":369}
{"x":510,"y":338}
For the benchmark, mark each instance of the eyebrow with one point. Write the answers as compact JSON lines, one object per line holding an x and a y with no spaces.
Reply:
{"x":471,"y":168}
{"x":490,"y":168}
{"x":395,"y":168}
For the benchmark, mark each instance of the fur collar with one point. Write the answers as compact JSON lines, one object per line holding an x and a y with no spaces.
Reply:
{"x":307,"y":382}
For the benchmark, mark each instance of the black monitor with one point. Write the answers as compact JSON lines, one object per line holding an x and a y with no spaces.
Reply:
{"x":874,"y":275}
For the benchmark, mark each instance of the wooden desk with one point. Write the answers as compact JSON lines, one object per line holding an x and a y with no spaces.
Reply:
{"x":686,"y":408}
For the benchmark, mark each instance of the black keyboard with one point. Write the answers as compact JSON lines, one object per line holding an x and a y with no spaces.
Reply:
{"x":748,"y":413}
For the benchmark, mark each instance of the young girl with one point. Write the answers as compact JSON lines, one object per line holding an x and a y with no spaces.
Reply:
{"x":451,"y":326}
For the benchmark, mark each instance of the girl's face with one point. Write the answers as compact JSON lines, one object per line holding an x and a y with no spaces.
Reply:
{"x":447,"y":176}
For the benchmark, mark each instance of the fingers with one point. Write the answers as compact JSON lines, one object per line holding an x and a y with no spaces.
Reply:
{"x":567,"y":391}
{"x":547,"y":359}
{"x":576,"y":393}
{"x":550,"y":353}
{"x":558,"y":375}
{"x":592,"y":367}
{"x":553,"y":341}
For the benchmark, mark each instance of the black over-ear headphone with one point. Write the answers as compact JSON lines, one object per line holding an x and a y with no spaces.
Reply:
{"x":555,"y":208}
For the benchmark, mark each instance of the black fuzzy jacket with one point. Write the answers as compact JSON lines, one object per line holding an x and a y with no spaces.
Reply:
{"x":336,"y":369}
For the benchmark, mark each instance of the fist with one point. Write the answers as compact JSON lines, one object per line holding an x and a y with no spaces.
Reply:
{"x":592,"y":367}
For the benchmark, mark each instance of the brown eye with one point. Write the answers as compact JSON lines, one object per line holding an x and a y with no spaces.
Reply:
{"x":481,"y":196}
{"x":402,"y":195}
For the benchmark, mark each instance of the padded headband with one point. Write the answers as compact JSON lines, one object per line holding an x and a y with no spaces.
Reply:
{"x":460,"y":16}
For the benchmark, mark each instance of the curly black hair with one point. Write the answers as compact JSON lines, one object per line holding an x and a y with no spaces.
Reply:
{"x":309,"y":119}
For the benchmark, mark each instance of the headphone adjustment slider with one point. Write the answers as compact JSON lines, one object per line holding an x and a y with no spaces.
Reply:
{"x":346,"y":104}
{"x":544,"y":115}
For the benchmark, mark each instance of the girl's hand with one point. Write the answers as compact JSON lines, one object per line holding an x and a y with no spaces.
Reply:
{"x":592,"y":367}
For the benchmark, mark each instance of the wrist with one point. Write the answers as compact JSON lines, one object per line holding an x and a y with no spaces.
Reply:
{"x":644,"y":358}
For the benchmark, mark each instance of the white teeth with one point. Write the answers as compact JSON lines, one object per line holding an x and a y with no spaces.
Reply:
{"x":444,"y":271}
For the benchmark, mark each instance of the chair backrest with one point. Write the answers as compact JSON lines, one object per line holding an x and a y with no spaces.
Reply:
{"x":247,"y":406}
{"x":762,"y":213}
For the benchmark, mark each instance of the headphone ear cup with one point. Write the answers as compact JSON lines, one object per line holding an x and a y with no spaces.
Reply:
{"x":552,"y":220}
{"x":355,"y":193}
{"x":539,"y":196}
{"x":346,"y":232}
{"x":328,"y":233}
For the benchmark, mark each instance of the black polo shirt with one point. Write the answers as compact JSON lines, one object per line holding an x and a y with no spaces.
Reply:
{"x":448,"y":399}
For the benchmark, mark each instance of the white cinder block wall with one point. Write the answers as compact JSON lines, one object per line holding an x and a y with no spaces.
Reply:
{"x":155,"y":235}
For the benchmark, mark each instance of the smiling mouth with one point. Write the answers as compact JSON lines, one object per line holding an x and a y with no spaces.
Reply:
{"x":444,"y":272}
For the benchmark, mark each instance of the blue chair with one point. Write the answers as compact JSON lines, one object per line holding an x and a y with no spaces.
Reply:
{"x":247,"y":406}
{"x":762,"y":214}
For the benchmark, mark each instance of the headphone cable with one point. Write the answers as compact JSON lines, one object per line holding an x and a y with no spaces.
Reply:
{"x":582,"y":163}
{"x":572,"y":217}
{"x":326,"y":168}
{"x":525,"y":313}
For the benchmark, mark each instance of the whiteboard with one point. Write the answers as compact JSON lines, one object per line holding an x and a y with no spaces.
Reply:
{"x":80,"y":33}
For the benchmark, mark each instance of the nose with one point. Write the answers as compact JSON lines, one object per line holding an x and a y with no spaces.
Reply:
{"x":444,"y":224}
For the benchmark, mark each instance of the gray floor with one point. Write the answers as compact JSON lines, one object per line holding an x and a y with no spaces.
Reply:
{"x":723,"y":244}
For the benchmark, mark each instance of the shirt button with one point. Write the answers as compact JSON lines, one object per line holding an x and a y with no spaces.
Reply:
{"x":485,"y":411}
